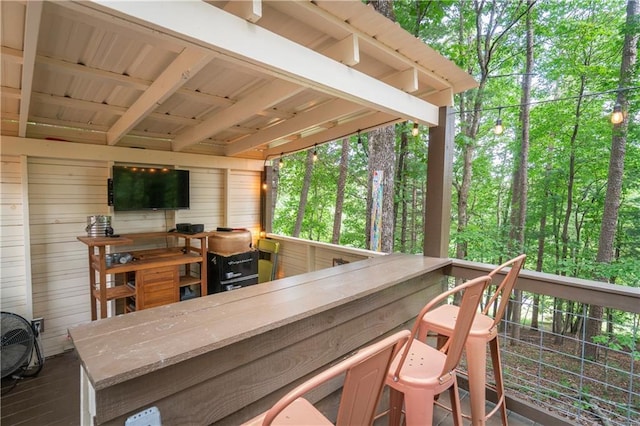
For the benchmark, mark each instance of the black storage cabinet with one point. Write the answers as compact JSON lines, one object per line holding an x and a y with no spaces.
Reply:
{"x":226,"y":273}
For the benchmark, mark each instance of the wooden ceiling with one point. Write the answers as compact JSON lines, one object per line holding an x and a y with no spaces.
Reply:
{"x":247,"y":79}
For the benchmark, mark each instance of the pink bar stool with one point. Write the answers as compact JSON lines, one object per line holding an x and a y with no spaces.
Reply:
{"x":365,"y":373}
{"x":420,"y":372}
{"x":484,"y":330}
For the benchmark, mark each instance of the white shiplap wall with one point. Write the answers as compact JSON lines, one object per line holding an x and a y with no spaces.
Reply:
{"x":45,"y":203}
{"x":15,"y":287}
{"x":62,"y":193}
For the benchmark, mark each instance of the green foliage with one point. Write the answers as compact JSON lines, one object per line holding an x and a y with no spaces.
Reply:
{"x":577,"y":55}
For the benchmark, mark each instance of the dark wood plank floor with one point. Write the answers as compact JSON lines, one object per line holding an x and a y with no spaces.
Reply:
{"x":53,"y":398}
{"x":50,"y":398}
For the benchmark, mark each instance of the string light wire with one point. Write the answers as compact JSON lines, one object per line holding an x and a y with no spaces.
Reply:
{"x":545,"y":101}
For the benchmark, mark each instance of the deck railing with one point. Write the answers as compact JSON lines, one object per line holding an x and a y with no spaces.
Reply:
{"x":553,"y":369}
{"x":548,"y":376}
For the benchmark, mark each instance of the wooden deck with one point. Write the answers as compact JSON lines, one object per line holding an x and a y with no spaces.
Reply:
{"x":53,"y":398}
{"x":50,"y":398}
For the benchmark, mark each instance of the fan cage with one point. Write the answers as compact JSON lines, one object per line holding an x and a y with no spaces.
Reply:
{"x":17,"y":343}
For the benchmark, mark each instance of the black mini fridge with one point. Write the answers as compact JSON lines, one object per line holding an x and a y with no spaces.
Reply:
{"x":231,"y":272}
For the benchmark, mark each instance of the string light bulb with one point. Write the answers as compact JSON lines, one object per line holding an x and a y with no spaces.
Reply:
{"x":498,"y":129}
{"x":264,"y":185}
{"x":281,"y":162}
{"x":415,"y":129}
{"x":315,"y":153}
{"x":359,"y":138}
{"x":617,"y":117}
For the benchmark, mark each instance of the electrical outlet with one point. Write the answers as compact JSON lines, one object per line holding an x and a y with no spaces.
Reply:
{"x":38,"y":324}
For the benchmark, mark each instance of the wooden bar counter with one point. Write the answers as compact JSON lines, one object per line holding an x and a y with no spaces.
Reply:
{"x":226,"y":357}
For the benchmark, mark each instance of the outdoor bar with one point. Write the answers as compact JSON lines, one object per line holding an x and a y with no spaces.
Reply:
{"x":225,"y":358}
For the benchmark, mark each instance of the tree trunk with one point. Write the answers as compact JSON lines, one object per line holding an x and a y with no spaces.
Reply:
{"x":520,"y":176}
{"x":400,"y":206}
{"x":382,"y":162}
{"x":382,"y":159}
{"x":616,"y":169}
{"x":541,"y":240}
{"x":303,"y":194}
{"x":415,"y":212}
{"x":342,"y":183}
{"x":571,"y":176}
{"x":491,"y":26}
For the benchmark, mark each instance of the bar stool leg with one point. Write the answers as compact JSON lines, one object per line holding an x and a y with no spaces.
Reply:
{"x":456,"y":409}
{"x":418,"y":407}
{"x":477,"y":368}
{"x":497,"y":374}
{"x":396,"y":400}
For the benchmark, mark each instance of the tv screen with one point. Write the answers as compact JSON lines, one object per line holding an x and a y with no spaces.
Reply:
{"x":150,"y":188}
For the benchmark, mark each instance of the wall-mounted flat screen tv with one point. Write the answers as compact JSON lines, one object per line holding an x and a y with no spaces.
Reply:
{"x":150,"y":188}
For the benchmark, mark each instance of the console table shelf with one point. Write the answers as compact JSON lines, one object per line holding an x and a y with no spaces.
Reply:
{"x":152,"y":278}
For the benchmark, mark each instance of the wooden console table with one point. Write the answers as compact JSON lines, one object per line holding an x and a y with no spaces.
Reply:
{"x":152,"y":278}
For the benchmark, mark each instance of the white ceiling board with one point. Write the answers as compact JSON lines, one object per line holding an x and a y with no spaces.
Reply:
{"x":108,"y":68}
{"x":259,"y":47}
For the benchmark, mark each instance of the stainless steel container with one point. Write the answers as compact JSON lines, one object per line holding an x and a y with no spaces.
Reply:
{"x":97,"y":225}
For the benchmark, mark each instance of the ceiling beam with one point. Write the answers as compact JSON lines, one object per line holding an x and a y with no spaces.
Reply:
{"x":442,"y":97}
{"x":329,"y":111}
{"x":265,"y":97}
{"x":250,"y":10}
{"x":258,"y":47}
{"x":406,"y":80}
{"x":346,"y":51}
{"x":185,"y":66}
{"x":318,"y":10}
{"x":31,"y":30}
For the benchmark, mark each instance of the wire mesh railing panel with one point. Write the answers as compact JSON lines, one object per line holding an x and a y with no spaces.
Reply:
{"x":552,"y":362}
{"x":549,"y":360}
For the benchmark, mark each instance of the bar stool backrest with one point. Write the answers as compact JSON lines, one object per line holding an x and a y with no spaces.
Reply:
{"x":504,"y":289}
{"x":471,"y":297}
{"x":365,"y":374}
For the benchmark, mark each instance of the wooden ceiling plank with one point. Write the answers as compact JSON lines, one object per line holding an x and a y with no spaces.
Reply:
{"x":259,"y":47}
{"x":206,"y":98}
{"x":31,"y":30}
{"x":268,"y":95}
{"x":10,"y":93}
{"x":93,"y":73}
{"x":12,"y":55}
{"x":343,"y":130}
{"x":406,"y":80}
{"x":250,"y":10}
{"x":77,"y":103}
{"x":125,"y":80}
{"x":329,"y":111}
{"x":346,"y":51}
{"x":99,"y":107}
{"x":185,"y":66}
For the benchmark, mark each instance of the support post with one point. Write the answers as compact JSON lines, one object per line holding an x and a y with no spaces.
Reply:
{"x":267,"y":199}
{"x":437,"y":211}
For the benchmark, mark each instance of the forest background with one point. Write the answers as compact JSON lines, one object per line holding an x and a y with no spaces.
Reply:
{"x":560,"y":183}
{"x":551,"y":72}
